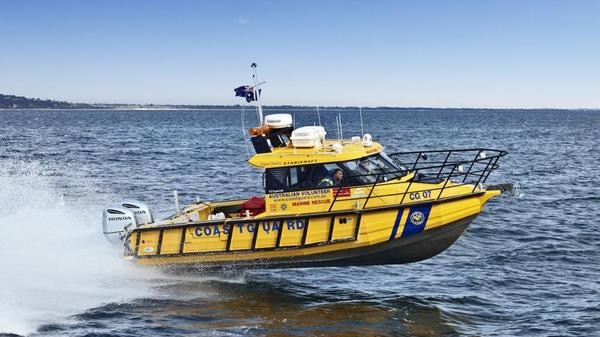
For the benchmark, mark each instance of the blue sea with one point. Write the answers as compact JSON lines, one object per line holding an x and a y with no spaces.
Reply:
{"x":525,"y":267}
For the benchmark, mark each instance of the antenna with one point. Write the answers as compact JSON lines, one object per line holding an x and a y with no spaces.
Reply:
{"x":362,"y":131}
{"x":337,"y":127}
{"x":244,"y":131}
{"x":341,"y":131}
{"x":319,"y":115}
{"x":338,"y":121}
{"x":257,"y":93}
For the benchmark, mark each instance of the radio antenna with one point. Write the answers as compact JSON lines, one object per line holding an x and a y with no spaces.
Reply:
{"x":341,"y":130}
{"x":319,"y":115}
{"x":337,"y":127}
{"x":338,"y":122}
{"x":244,"y":131}
{"x":362,"y":131}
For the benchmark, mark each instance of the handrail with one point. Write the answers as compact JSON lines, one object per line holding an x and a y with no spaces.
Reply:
{"x":432,"y":166}
{"x":370,"y":192}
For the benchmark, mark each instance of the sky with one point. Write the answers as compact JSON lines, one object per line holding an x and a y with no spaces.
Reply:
{"x":488,"y":54}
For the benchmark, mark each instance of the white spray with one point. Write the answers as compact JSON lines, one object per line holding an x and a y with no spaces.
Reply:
{"x":55,"y":263}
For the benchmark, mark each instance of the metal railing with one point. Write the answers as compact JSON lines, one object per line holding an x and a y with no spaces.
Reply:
{"x":461,"y":167}
{"x":432,"y":168}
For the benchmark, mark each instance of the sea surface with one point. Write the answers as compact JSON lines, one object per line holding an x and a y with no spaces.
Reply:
{"x":525,"y":267}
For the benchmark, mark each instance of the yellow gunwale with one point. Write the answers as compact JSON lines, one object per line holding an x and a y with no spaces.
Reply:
{"x":257,"y":254}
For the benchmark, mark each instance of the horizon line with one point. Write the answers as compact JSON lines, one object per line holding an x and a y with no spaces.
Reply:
{"x":278,"y":106}
{"x":222,"y":107}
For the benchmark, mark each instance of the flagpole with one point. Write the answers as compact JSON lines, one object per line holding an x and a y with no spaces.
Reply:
{"x":257,"y":94}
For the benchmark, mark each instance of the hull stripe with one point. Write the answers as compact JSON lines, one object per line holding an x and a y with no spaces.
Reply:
{"x":416,"y":220}
{"x":396,"y":223}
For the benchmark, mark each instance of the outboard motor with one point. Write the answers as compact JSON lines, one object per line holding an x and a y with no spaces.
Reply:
{"x":116,"y":221}
{"x":141,"y":211}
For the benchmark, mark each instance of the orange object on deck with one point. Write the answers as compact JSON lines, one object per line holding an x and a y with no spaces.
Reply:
{"x":260,"y":130}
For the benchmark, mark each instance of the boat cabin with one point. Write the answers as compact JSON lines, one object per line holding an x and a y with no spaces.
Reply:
{"x":290,"y":169}
{"x":300,"y":159}
{"x":299,"y":166}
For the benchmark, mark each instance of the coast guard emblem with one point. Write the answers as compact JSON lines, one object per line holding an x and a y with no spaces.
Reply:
{"x":417,"y":218}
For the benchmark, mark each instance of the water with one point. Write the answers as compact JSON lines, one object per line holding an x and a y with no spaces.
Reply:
{"x":525,"y":267}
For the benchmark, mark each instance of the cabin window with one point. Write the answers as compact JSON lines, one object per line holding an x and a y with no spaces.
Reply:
{"x":356,"y":172}
{"x":277,"y":179}
{"x":307,"y":177}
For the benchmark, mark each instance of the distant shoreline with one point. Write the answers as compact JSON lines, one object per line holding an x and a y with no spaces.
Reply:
{"x":287,"y":108}
{"x":11,"y":102}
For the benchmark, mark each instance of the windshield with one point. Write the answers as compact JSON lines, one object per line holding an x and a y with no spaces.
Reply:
{"x":367,"y":169}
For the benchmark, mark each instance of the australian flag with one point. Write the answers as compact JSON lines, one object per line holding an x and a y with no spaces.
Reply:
{"x":246,"y":91}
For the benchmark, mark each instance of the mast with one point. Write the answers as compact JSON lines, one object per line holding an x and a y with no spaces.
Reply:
{"x":257,"y":93}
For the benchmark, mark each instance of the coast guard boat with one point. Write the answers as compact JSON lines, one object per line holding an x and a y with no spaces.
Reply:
{"x":381,"y":209}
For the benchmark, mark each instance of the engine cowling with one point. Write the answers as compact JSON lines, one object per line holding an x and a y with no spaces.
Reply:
{"x":142,"y":212}
{"x":116,"y":221}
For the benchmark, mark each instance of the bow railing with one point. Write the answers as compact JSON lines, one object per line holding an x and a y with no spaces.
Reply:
{"x":460,"y":167}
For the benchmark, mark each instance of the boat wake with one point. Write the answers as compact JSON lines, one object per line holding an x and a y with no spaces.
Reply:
{"x":55,"y":261}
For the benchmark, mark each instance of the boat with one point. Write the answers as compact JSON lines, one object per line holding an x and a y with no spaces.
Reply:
{"x":327,"y":202}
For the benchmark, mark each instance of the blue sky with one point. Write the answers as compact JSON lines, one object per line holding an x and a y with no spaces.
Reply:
{"x":369,"y":53}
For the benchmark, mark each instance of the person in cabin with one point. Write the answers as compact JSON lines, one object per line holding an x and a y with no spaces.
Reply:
{"x":335,"y":179}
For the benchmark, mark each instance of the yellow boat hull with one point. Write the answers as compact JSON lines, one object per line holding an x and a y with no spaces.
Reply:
{"x":396,"y":234}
